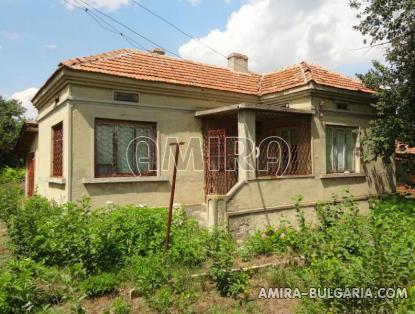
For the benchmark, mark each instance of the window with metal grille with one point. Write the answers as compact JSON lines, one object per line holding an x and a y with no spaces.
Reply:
{"x":125,"y":148}
{"x":284,"y":144}
{"x":125,"y":96}
{"x":57,"y":150}
{"x":340,"y":149}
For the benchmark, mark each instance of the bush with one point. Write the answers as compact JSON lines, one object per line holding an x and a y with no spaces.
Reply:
{"x":119,"y":306}
{"x":101,"y":240}
{"x":25,"y":286}
{"x":12,"y":175}
{"x":228,"y":282}
{"x":348,"y":250}
{"x":100,"y":284}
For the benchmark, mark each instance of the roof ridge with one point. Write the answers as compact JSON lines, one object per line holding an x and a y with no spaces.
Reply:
{"x":307,"y":71}
{"x":355,"y":79}
{"x":148,"y":53}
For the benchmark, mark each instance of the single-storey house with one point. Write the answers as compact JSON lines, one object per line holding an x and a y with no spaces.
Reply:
{"x":252,"y":141}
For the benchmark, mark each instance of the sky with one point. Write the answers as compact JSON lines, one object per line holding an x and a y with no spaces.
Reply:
{"x":36,"y":35}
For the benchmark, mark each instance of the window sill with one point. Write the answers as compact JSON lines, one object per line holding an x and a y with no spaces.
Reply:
{"x":125,"y":179}
{"x":301,"y":176}
{"x":57,"y":180}
{"x":341,"y":175}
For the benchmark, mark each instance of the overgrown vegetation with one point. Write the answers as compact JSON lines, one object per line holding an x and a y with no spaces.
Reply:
{"x":348,"y":250}
{"x":11,"y":121}
{"x":66,"y":252}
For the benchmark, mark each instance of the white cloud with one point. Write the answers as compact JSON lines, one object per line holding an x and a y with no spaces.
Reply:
{"x":110,"y":5}
{"x":194,"y":2}
{"x":25,"y":97}
{"x":275,"y":34}
{"x":12,"y":35}
{"x":51,"y":46}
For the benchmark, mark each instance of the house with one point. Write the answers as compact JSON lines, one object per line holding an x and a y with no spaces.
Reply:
{"x":252,"y":141}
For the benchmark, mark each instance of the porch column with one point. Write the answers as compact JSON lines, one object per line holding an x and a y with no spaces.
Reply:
{"x":246,"y":145}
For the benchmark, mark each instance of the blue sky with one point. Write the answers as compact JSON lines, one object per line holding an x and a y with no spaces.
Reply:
{"x":36,"y":36}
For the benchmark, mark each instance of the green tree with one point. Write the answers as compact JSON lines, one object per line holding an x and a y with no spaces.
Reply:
{"x":390,"y":25}
{"x":11,"y":120}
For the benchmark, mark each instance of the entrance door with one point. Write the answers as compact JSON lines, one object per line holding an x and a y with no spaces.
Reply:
{"x":221,"y":169}
{"x":30,"y":174}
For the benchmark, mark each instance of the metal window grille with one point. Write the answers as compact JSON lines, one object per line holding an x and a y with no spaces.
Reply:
{"x":125,"y":148}
{"x":284,"y":141}
{"x":220,"y":154}
{"x":57,"y":150}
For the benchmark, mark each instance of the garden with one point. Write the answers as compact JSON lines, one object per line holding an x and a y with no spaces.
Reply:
{"x":71,"y":258}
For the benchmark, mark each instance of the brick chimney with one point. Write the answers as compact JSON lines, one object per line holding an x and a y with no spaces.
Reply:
{"x":158,"y":51}
{"x":238,"y":62}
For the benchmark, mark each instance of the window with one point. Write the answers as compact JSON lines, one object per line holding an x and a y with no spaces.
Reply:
{"x":340,"y":149}
{"x":342,"y":106}
{"x":124,"y":148}
{"x":57,"y":150}
{"x":125,"y":96}
{"x":284,"y":143}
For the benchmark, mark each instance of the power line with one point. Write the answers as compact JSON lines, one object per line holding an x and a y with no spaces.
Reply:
{"x":128,"y":28}
{"x":178,"y":28}
{"x":107,"y":26}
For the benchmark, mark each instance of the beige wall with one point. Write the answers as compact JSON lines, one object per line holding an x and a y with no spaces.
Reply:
{"x":80,"y":105}
{"x":175,"y":119}
{"x":55,"y":191}
{"x":276,"y":195}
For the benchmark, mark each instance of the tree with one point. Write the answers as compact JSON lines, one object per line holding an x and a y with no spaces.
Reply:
{"x":11,"y":120}
{"x":390,"y":24}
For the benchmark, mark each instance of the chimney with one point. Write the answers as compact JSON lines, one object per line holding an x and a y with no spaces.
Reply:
{"x":238,"y":62}
{"x":158,"y":51}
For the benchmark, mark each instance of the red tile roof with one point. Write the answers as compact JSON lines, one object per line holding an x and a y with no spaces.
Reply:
{"x":401,"y":148}
{"x":131,"y":63}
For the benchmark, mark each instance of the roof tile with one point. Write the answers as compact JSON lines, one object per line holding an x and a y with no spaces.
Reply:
{"x":131,"y":63}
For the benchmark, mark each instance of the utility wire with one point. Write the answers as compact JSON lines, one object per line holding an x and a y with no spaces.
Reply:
{"x":177,"y":28}
{"x":127,"y":27}
{"x":107,"y":26}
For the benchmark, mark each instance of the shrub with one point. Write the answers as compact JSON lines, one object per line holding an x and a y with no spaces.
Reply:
{"x":228,"y":282}
{"x":25,"y":286}
{"x":348,"y":250}
{"x":119,"y":306}
{"x":100,"y":284}
{"x":101,"y":240}
{"x":12,"y":175}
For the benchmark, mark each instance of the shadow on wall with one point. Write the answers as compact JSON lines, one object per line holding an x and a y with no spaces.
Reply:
{"x":381,"y":182}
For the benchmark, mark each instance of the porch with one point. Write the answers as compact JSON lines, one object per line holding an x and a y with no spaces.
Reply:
{"x":249,"y":142}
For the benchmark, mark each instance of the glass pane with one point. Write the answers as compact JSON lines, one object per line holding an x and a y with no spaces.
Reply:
{"x":125,"y":150}
{"x":349,"y":150}
{"x":340,"y":147}
{"x":104,"y":149}
{"x":329,"y":149}
{"x":145,"y":150}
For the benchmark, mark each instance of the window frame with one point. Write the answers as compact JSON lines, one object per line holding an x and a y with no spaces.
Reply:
{"x":114,"y":173}
{"x":54,"y":128}
{"x":117,"y":91}
{"x":334,"y":166}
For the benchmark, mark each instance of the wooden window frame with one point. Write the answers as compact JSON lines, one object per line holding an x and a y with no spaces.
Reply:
{"x":54,"y":172}
{"x":114,"y":123}
{"x":335,"y":168}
